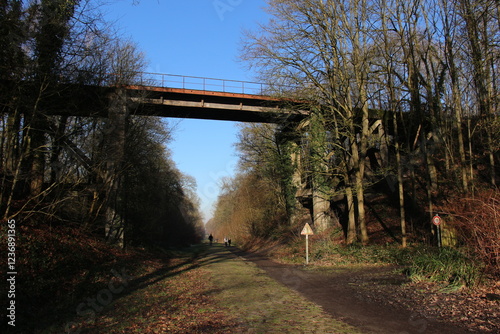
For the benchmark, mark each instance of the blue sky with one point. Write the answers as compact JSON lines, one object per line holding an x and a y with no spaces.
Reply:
{"x":194,"y":38}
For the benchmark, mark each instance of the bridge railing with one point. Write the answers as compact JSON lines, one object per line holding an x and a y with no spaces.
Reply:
{"x":200,"y":83}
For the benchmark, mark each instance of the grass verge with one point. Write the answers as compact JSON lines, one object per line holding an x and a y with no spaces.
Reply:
{"x":262,"y":305}
{"x":446,"y":265}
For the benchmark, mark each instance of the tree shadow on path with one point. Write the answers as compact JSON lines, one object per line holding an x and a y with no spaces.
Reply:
{"x":342,"y":293}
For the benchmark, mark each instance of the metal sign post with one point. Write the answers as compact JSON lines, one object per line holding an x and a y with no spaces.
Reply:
{"x":307,"y":231}
{"x":436,"y":220}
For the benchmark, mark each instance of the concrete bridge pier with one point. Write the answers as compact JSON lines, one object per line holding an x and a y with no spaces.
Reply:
{"x":308,"y":195}
{"x":321,"y":211}
{"x":114,"y":139}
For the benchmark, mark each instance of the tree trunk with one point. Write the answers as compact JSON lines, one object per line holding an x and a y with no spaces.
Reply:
{"x":115,"y":142}
{"x":38,"y":150}
{"x":481,"y":71}
{"x":351,"y":216}
{"x":393,"y":109}
{"x":55,"y":166}
{"x":399,"y":171}
{"x":360,"y":188}
{"x":457,"y":106}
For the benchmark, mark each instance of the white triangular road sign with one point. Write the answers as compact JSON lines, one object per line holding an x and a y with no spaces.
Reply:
{"x":307,"y":230}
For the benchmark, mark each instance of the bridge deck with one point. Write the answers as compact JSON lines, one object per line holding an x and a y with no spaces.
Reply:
{"x":202,"y":104}
{"x":202,"y":92}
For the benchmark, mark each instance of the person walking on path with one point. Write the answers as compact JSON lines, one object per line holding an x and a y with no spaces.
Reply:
{"x":211,"y":238}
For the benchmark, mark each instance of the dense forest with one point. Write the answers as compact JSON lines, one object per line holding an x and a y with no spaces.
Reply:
{"x":404,"y":125}
{"x":60,"y":169}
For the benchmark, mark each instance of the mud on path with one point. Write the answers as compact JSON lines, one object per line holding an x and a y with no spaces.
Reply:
{"x":345,"y":294}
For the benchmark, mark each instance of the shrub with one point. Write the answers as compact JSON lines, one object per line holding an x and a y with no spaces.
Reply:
{"x":445,"y":265}
{"x":479,"y":226}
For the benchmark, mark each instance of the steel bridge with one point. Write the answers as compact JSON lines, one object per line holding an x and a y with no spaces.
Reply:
{"x":167,"y":95}
{"x":178,"y":96}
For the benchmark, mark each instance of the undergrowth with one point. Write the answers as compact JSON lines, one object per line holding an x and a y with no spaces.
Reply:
{"x":478,"y":222}
{"x":453,"y":266}
{"x":444,"y":265}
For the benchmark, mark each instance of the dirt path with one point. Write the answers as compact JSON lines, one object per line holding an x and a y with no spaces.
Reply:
{"x":260,"y":304}
{"x":341,"y":294}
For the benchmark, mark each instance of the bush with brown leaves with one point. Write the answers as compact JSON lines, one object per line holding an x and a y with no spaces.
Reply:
{"x":479,"y":225}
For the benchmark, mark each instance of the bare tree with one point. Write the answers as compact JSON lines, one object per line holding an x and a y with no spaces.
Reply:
{"x":324,"y":44}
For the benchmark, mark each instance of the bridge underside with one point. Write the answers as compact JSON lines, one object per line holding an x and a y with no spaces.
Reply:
{"x":187,"y":103}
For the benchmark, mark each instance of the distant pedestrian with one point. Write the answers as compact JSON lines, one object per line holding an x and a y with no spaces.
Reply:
{"x":225,"y":241}
{"x":211,"y":238}
{"x":229,"y":242}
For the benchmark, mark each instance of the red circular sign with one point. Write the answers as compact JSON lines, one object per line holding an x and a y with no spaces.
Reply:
{"x":436,"y":220}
